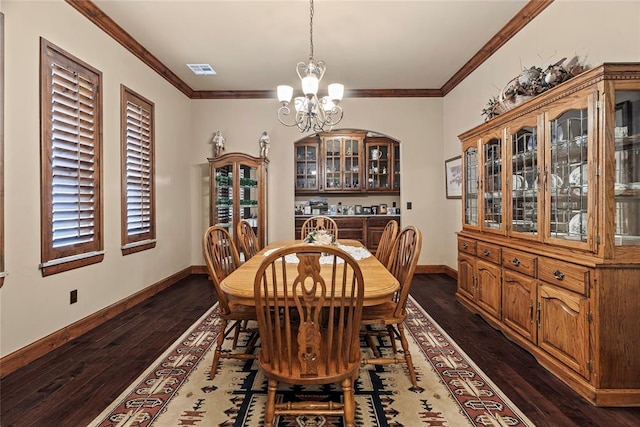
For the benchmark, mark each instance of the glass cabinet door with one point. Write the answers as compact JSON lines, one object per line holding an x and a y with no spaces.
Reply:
{"x":306,"y":166}
{"x":248,"y":195}
{"x":396,"y":167}
{"x":470,"y":191}
{"x":222,"y":214}
{"x":567,"y":173}
{"x":492,"y":208}
{"x":627,"y":167}
{"x":351,"y":164}
{"x":332,"y":169}
{"x":378,"y":167}
{"x":524,"y":180}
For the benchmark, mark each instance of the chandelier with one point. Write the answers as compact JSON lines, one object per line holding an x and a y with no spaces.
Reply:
{"x":311,"y":113}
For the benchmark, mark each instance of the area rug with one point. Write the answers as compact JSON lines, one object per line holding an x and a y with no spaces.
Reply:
{"x":176,"y":389}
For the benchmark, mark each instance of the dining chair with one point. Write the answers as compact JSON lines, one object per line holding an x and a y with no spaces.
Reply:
{"x":402,"y":264}
{"x":317,"y":223}
{"x":248,"y":240}
{"x":309,"y":327}
{"x":222,"y":259}
{"x":383,"y":252}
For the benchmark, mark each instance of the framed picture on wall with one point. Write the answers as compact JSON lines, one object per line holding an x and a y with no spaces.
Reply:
{"x":453,"y":177}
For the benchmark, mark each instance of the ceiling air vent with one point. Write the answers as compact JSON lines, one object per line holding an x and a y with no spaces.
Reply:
{"x":202,"y":69}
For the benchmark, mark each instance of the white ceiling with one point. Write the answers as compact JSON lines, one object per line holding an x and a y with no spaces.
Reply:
{"x":367,"y":44}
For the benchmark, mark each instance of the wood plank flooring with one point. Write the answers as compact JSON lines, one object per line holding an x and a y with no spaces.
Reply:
{"x":71,"y":385}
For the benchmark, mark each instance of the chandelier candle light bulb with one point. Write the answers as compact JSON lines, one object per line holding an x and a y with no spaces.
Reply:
{"x":311,"y":113}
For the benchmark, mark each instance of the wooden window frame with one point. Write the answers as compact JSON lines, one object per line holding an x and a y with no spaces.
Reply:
{"x":90,"y":249}
{"x":2,"y":272}
{"x":131,"y":143}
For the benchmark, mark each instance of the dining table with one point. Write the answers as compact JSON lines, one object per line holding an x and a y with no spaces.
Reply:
{"x":379,"y":283}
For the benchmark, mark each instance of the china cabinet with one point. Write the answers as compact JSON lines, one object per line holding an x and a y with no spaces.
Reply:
{"x":549,"y":250}
{"x":238,"y":191}
{"x":346,"y":162}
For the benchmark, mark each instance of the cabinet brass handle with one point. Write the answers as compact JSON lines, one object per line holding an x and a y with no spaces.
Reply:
{"x":486,"y":252}
{"x":515,"y":261}
{"x":465,"y":246}
{"x":558,"y":274}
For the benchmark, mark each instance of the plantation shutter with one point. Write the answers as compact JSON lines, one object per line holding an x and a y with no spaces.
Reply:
{"x":73,"y":160}
{"x":71,"y":149}
{"x":138,"y":217}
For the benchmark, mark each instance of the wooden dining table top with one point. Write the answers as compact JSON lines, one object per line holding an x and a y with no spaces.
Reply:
{"x":379,"y":283}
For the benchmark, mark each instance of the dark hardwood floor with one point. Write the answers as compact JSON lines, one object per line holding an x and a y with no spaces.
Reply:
{"x":71,"y":385}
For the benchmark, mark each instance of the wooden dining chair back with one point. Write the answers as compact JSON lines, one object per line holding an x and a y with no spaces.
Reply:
{"x":383,"y":251}
{"x":248,"y":240}
{"x":309,"y":326}
{"x":402,"y":264}
{"x":317,"y":223}
{"x":222,"y":259}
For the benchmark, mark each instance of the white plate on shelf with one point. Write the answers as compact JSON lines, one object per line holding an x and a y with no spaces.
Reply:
{"x":580,"y":191}
{"x":578,"y":175}
{"x":556,"y":181}
{"x":519,"y":182}
{"x":634,"y":186}
{"x":531,"y":142}
{"x":619,"y":188}
{"x":578,"y":224}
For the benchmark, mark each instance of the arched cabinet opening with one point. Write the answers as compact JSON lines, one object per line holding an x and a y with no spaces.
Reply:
{"x":352,"y":175}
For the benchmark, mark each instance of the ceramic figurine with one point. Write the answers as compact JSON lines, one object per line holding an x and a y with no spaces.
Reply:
{"x":218,"y":144}
{"x":265,"y":142}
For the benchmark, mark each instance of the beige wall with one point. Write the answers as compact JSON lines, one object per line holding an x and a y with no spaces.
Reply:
{"x":416,"y":123}
{"x":32,"y":307}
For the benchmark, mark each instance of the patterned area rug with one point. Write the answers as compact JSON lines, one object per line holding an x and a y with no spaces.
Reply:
{"x":177,"y":391}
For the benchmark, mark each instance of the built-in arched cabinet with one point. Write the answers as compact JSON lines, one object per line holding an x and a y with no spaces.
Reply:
{"x":351,"y":175}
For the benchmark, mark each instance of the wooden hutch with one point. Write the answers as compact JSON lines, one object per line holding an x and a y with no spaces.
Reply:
{"x":549,"y":251}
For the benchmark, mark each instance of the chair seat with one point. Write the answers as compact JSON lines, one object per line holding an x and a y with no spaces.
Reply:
{"x":381,"y":314}
{"x":240,"y":312}
{"x":280,"y":371}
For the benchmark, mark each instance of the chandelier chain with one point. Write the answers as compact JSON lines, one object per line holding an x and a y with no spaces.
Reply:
{"x":311,"y":10}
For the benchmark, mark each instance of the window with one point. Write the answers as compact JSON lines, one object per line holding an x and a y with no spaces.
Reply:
{"x":70,"y":154}
{"x":138,"y":195}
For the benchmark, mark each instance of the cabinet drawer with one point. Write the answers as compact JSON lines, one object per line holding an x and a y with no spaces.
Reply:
{"x":348,"y":222}
{"x":467,"y":245}
{"x":519,"y":261}
{"x":489,"y":252}
{"x":380,"y":222}
{"x":565,"y":275}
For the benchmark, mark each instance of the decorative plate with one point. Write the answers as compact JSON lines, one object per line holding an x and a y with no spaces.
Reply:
{"x":556,"y":181}
{"x":519,"y":183}
{"x":578,"y":224}
{"x":578,"y":175}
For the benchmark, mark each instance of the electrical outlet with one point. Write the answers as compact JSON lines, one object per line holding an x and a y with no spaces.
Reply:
{"x":409,"y":205}
{"x":73,"y":296}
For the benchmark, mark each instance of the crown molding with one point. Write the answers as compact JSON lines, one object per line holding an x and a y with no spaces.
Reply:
{"x":93,"y":13}
{"x":518,"y":22}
